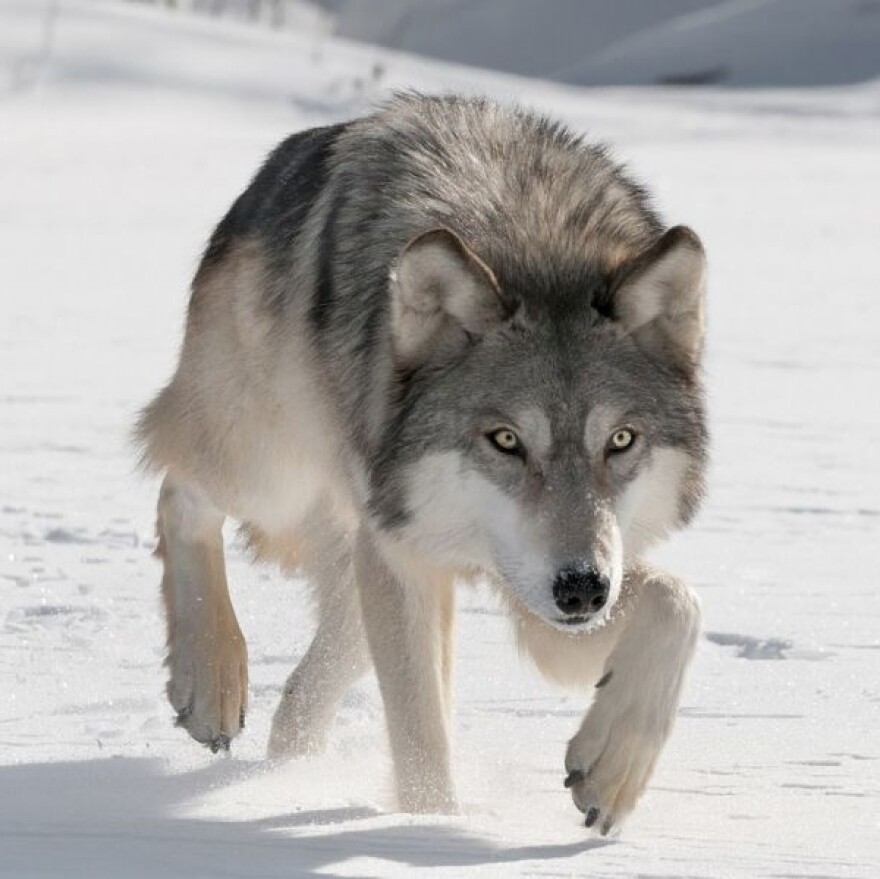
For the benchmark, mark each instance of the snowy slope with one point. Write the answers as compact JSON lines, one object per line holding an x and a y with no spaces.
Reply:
{"x":746,"y":43}
{"x":117,"y":153}
{"x":520,"y":36}
{"x":635,"y":42}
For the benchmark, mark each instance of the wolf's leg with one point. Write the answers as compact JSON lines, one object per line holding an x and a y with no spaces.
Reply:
{"x":338,"y":655}
{"x":611,"y":758}
{"x":404,"y":616}
{"x":446,"y":608}
{"x":207,"y":656}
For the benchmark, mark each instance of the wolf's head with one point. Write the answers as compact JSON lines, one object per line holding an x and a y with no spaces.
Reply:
{"x":545,"y":438}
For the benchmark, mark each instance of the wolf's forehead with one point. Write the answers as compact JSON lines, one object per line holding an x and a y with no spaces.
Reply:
{"x":555,"y":382}
{"x":568,"y":422}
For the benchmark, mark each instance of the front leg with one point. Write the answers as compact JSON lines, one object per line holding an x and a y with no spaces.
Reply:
{"x":406,"y":614}
{"x":207,"y":656}
{"x":611,"y":758}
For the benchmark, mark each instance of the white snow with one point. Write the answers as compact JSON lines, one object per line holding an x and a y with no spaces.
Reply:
{"x":118,"y":150}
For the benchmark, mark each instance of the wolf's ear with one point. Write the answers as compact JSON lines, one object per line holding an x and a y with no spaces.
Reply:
{"x":442,"y":296}
{"x":660,"y":298}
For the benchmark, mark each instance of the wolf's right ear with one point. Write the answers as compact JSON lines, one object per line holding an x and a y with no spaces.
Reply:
{"x":442,"y":296}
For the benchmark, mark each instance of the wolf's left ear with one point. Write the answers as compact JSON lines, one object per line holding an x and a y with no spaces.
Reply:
{"x":660,"y":297}
{"x":442,"y":296}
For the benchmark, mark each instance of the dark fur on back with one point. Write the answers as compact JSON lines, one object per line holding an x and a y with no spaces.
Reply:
{"x":277,"y":202}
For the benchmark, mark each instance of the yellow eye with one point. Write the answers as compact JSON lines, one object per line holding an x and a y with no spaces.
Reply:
{"x":505,"y":440}
{"x":621,"y":440}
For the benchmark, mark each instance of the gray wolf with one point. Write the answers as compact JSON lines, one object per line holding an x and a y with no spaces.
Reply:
{"x":446,"y":340}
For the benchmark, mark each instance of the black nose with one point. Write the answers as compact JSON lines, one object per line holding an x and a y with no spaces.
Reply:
{"x":580,"y":590}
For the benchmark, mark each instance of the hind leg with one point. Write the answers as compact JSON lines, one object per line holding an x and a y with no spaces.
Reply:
{"x":207,"y":656}
{"x":338,"y":655}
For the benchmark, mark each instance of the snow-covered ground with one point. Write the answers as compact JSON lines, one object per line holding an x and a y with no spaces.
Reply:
{"x":118,"y":150}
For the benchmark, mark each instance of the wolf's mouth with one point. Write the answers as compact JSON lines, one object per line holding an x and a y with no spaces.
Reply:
{"x":575,"y":620}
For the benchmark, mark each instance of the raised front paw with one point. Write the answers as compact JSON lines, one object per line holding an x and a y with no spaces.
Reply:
{"x":208,"y":685}
{"x":610,"y":761}
{"x":608,"y":789}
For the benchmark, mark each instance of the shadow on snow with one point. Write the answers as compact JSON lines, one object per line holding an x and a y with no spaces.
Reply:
{"x":117,"y":818}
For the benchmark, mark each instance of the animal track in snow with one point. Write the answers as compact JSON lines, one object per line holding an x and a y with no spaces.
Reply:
{"x":750,"y":647}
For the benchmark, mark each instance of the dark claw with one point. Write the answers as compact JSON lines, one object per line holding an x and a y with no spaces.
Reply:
{"x":183,"y":715}
{"x":241,"y":719}
{"x":574,"y":777}
{"x":219,"y":743}
{"x":607,"y":825}
{"x":592,"y":817}
{"x":604,"y":679}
